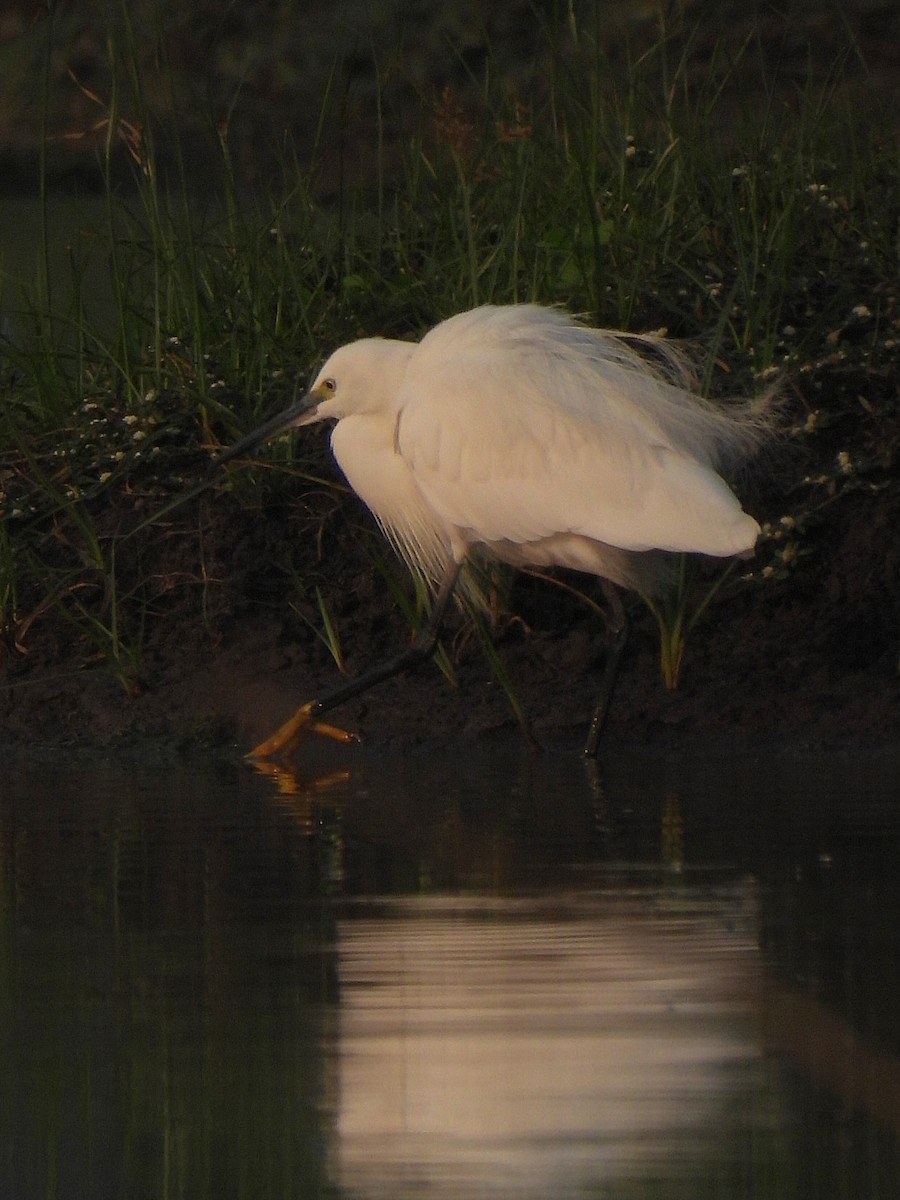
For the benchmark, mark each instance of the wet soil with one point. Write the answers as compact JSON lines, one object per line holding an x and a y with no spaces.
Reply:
{"x":811,"y":660}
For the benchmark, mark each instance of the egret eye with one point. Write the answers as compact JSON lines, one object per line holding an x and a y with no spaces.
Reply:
{"x":328,"y":385}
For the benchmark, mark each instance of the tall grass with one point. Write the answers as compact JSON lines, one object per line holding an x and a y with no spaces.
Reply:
{"x":628,"y":185}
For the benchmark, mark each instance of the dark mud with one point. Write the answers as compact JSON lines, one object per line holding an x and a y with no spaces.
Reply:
{"x":810,"y":661}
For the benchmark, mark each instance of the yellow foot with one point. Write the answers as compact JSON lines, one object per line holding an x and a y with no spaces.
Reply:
{"x":291,"y":731}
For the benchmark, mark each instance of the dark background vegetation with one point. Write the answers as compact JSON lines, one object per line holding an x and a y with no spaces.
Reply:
{"x":261,"y":69}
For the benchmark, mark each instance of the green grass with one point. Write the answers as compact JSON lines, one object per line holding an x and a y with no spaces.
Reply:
{"x":630,"y":187}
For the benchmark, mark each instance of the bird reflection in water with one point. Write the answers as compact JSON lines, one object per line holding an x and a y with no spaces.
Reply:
{"x":541,"y":1046}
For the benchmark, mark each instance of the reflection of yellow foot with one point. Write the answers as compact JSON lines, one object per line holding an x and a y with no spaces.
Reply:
{"x":292,"y":787}
{"x":292,"y":730}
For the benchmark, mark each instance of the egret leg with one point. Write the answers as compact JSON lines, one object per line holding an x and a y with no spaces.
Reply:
{"x":307,"y":715}
{"x":617,"y":637}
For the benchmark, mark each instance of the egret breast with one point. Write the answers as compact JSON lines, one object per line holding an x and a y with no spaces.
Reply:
{"x":363,"y":445}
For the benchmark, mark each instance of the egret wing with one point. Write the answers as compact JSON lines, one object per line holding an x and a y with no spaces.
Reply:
{"x":506,"y":450}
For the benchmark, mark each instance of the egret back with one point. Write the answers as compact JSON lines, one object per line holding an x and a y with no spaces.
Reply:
{"x":519,"y":434}
{"x":526,"y":426}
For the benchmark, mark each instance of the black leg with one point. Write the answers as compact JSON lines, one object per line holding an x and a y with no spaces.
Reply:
{"x":307,"y":716}
{"x":617,"y":636}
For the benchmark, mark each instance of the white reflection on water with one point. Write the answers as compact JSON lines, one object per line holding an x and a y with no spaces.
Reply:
{"x":529,"y":1048}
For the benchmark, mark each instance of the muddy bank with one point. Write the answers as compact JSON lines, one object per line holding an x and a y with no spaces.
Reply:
{"x":811,"y":661}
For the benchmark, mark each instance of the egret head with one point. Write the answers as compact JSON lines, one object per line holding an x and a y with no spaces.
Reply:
{"x":365,"y":376}
{"x":362,"y":377}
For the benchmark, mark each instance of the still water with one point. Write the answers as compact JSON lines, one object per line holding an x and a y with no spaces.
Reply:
{"x":481,"y":975}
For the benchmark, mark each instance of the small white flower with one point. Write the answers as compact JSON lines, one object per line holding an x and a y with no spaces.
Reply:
{"x":130,"y":419}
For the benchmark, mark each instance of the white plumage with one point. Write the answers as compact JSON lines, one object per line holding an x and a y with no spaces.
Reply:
{"x":518,"y":434}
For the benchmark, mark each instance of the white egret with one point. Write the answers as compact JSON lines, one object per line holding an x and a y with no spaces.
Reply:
{"x":515,"y":433}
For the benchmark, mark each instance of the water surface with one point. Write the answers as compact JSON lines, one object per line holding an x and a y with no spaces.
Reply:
{"x":485,"y":974}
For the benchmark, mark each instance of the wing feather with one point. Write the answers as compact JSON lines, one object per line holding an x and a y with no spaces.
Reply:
{"x":519,"y":437}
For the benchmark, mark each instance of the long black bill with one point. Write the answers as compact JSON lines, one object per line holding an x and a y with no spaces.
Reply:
{"x":298,"y":413}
